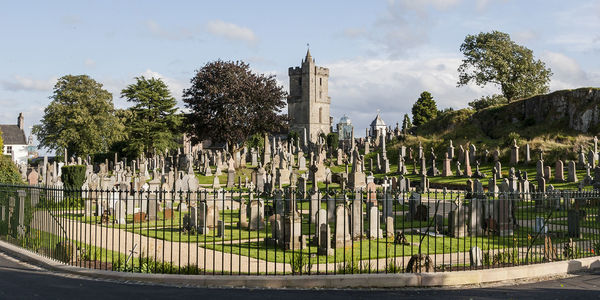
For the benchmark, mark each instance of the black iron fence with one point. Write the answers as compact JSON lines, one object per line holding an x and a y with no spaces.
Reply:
{"x":291,"y":231}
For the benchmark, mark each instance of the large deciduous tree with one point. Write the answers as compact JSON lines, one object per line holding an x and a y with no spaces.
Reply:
{"x":228,"y":103}
{"x":492,"y":57}
{"x":153,"y":123}
{"x":80,"y":118}
{"x":424,"y":109}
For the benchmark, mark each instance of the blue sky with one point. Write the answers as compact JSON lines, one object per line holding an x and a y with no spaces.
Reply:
{"x":381,"y":54}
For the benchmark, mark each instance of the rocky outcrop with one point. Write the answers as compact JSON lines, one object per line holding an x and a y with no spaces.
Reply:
{"x":566,"y":110}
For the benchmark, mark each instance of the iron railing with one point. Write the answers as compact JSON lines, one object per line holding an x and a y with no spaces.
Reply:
{"x":290,"y":231}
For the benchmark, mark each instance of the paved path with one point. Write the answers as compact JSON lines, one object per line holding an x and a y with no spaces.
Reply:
{"x":182,"y":254}
{"x":22,"y":281}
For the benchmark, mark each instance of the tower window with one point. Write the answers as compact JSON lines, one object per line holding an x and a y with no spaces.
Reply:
{"x":320,"y":94}
{"x":320,"y":81}
{"x":320,"y":115}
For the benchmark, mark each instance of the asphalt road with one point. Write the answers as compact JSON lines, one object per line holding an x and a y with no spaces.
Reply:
{"x":23,"y":281}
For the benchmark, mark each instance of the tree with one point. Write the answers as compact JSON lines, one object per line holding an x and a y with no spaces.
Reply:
{"x":228,"y":103}
{"x":332,"y":141}
{"x":424,"y":109}
{"x":487,"y":101}
{"x":80,"y":118}
{"x":493,"y":57}
{"x":154,"y":121}
{"x":406,"y":124}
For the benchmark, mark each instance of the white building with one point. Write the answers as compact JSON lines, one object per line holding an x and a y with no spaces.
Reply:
{"x":15,"y":142}
{"x":378,"y":127}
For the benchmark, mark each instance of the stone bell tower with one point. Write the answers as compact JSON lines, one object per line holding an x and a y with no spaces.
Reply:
{"x":308,"y":101}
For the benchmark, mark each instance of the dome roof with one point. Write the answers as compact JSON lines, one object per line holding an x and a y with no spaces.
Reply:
{"x":345,"y":120}
{"x":377,"y":122}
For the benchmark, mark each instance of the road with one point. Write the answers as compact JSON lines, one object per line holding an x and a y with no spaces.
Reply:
{"x":19,"y":280}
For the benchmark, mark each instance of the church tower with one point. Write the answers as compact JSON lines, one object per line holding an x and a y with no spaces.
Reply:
{"x":308,"y":101}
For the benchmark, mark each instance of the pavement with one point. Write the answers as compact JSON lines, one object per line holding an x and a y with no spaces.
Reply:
{"x":20,"y":280}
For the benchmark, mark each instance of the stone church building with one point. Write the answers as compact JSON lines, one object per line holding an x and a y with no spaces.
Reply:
{"x":308,"y":100}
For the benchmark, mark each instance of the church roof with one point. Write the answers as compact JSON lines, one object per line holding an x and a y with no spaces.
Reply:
{"x":377,"y":122}
{"x":13,"y":135}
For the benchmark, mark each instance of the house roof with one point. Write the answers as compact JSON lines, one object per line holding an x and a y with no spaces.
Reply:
{"x":13,"y":135}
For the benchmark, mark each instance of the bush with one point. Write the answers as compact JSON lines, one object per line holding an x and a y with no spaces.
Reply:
{"x":487,"y":101}
{"x":73,"y":176}
{"x":9,"y":173}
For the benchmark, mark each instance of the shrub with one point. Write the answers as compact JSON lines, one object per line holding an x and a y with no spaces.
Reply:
{"x":9,"y":173}
{"x":73,"y":176}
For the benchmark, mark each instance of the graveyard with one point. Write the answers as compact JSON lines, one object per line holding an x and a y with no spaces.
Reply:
{"x":323,"y":212}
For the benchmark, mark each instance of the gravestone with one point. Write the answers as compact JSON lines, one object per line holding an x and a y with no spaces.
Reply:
{"x":514,"y":153}
{"x":571,"y":172}
{"x":389,"y":227}
{"x":413,"y":202}
{"x":476,"y":256}
{"x":356,"y":215}
{"x":375,"y":231}
{"x":502,"y":209}
{"x":324,"y":240}
{"x":342,"y":229}
{"x":321,"y":218}
{"x":256,"y":215}
{"x":457,"y":226}
{"x":560,"y":173}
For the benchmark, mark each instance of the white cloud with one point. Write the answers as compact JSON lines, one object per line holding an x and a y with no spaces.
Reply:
{"x":231,"y":31}
{"x":524,"y":36}
{"x":404,"y":25}
{"x":175,"y":86}
{"x":393,"y":85}
{"x":21,"y":83}
{"x":173,"y":34}
{"x":568,"y":74}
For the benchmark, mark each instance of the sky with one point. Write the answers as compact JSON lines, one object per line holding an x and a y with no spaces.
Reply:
{"x":381,"y":54}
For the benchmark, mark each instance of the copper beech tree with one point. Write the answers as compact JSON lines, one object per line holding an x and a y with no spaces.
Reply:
{"x":228,"y":103}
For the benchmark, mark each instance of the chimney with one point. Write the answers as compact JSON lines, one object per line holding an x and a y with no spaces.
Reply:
{"x":21,"y":122}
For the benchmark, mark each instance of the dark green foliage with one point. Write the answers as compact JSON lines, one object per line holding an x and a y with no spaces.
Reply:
{"x":73,"y":176}
{"x":9,"y":173}
{"x":256,"y":141}
{"x":332,"y":141}
{"x":424,"y":109}
{"x":487,"y":101}
{"x":492,"y":57}
{"x":153,"y":122}
{"x":293,"y":137}
{"x":81,"y":118}
{"x":228,"y":103}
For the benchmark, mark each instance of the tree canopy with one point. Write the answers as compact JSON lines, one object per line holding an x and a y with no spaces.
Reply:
{"x":153,"y":122}
{"x":424,"y":109}
{"x":228,"y":103}
{"x":80,"y":117}
{"x":492,"y":57}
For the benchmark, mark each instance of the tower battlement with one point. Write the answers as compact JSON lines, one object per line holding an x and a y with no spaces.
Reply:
{"x":308,"y":100}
